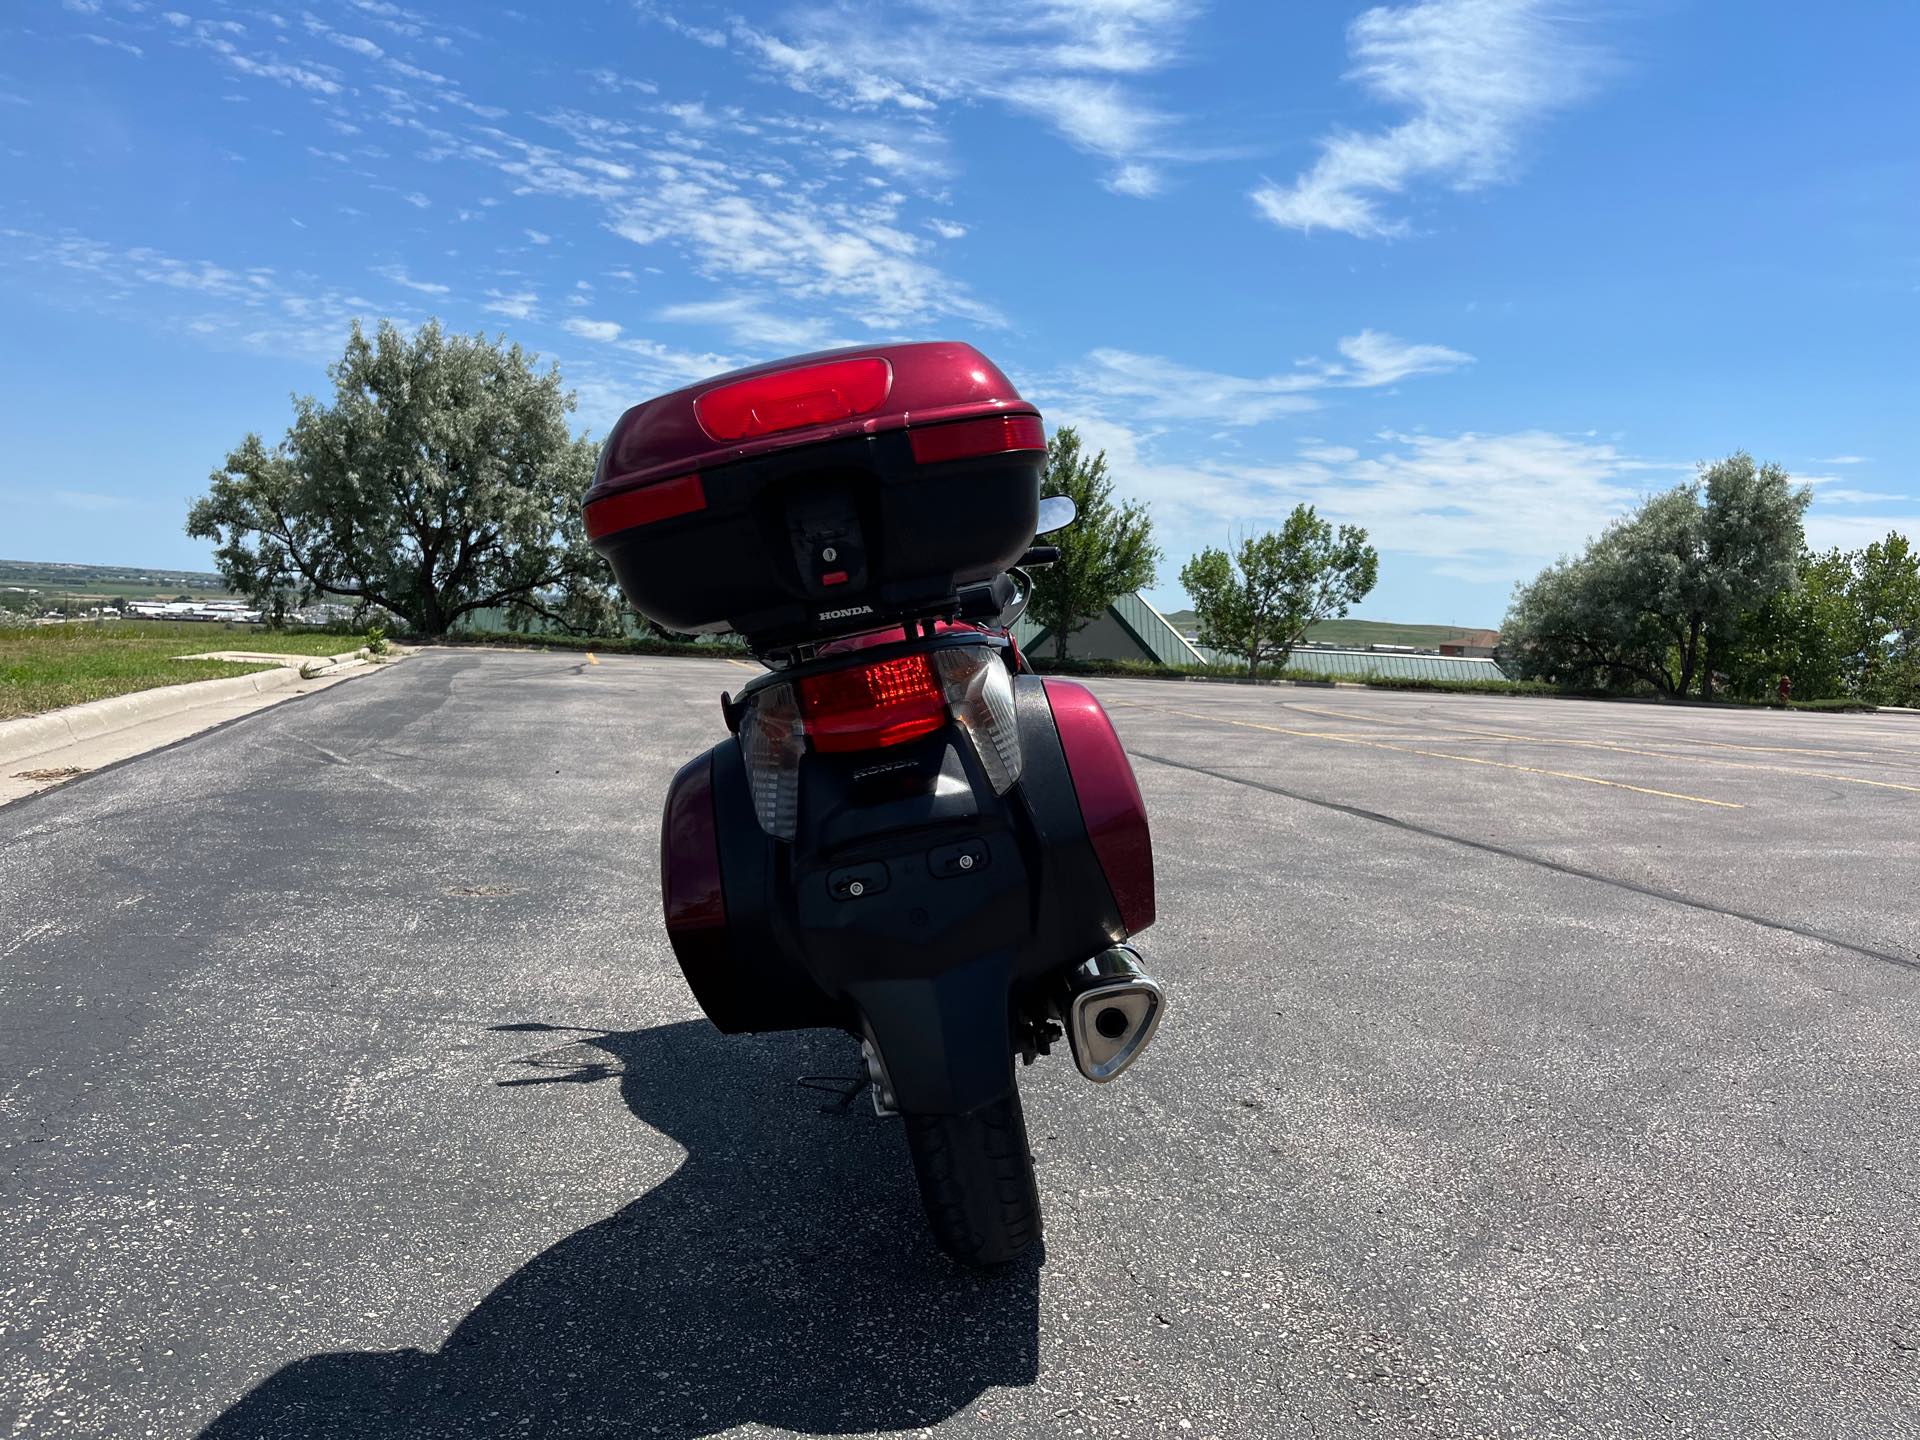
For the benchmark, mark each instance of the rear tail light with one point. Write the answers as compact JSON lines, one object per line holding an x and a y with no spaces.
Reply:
{"x":869,"y":707}
{"x":872,"y":706}
{"x":791,"y":399}
{"x":965,"y":439}
{"x":643,"y":505}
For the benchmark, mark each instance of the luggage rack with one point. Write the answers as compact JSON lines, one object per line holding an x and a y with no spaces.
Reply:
{"x":985,"y":602}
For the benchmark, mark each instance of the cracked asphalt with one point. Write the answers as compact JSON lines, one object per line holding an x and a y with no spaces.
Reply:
{"x":1532,"y":1068}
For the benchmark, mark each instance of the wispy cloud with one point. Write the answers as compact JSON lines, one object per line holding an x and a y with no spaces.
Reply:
{"x":248,"y":308}
{"x":1484,"y":508}
{"x":750,"y":326}
{"x":1476,"y":74}
{"x":605,"y":331}
{"x":1845,"y":496}
{"x":1843,"y":460}
{"x":308,"y":75}
{"x":613,"y":82}
{"x":107,"y":42}
{"x":399,"y":276}
{"x":1071,"y":63}
{"x":1155,"y":388}
{"x":814,"y":249}
{"x":514,"y":304}
{"x":806,"y":217}
{"x":1135,"y":179}
{"x":1855,"y":532}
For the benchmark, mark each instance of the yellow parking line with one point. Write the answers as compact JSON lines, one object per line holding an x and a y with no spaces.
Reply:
{"x":1857,"y":753}
{"x":1621,"y":749}
{"x":1618,"y":749}
{"x":741,"y":663}
{"x":1442,"y":755}
{"x":1345,"y":715}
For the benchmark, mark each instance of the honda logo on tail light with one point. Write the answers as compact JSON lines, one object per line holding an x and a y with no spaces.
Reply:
{"x":844,"y":611}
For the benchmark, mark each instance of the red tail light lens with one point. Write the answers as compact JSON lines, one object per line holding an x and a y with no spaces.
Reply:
{"x":873,"y":705}
{"x":645,"y":504}
{"x":964,"y":439}
{"x":790,"y":399}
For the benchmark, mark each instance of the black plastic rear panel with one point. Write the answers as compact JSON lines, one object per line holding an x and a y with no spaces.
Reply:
{"x":926,"y":942}
{"x":756,"y":558}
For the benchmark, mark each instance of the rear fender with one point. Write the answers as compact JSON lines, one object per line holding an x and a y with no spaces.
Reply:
{"x":946,"y":1040}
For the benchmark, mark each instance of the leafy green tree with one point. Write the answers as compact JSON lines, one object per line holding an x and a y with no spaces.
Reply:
{"x":441,"y":480}
{"x":1804,"y":633}
{"x":1107,"y":552}
{"x":1658,"y":598}
{"x":1285,"y":581}
{"x":1886,"y":614}
{"x":1753,"y":533}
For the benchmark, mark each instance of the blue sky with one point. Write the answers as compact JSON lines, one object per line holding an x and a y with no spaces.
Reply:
{"x":1475,"y":274}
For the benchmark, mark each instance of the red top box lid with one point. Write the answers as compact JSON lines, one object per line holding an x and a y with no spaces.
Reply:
{"x":798,"y":401}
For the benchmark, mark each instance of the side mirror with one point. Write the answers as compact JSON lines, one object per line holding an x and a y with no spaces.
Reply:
{"x":1056,"y":513}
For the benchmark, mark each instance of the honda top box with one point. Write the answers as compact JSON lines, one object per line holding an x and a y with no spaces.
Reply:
{"x":819,"y":494}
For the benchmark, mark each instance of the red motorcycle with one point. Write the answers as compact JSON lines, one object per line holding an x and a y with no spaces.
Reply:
{"x":908,"y":836}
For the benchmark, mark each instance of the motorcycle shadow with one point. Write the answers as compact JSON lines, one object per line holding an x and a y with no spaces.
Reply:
{"x":781,"y":1276}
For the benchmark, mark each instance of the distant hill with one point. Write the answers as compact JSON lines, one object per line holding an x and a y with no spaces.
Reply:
{"x":1361,"y":633}
{"x":49,"y":581}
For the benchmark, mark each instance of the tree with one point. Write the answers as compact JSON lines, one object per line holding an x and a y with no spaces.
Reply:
{"x":1886,"y":622}
{"x":1285,"y":583}
{"x":1659,"y":597}
{"x":1107,"y":552}
{"x":440,"y":481}
{"x":1805,"y":632}
{"x":1753,"y":536}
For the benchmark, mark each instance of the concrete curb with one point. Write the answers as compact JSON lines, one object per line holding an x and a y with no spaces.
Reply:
{"x":23,"y":739}
{"x":275,"y":657}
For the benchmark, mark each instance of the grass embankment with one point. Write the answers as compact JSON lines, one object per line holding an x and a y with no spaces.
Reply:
{"x":45,"y":667}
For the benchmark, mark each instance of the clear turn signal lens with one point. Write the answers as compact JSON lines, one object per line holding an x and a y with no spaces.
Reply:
{"x":980,"y":697}
{"x":772,"y":740}
{"x":846,"y":709}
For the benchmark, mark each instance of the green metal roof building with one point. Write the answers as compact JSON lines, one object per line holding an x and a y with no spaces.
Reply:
{"x":1133,"y":630}
{"x":1130,"y":630}
{"x":1356,"y":664}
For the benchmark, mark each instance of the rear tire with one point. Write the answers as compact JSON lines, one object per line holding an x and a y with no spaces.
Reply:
{"x":976,"y":1181}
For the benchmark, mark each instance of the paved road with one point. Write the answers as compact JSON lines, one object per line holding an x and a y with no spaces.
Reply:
{"x":1533,"y":1068}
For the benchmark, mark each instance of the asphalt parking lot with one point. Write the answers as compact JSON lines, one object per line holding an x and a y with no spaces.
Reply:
{"x":1535,"y":1068}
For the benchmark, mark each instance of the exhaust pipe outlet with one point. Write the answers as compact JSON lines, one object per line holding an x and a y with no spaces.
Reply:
{"x":1111,"y":1008}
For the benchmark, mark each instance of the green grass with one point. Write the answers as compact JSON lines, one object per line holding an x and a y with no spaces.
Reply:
{"x":45,"y":667}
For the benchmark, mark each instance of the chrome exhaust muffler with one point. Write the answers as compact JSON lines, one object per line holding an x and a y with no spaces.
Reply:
{"x":1110,"y":1008}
